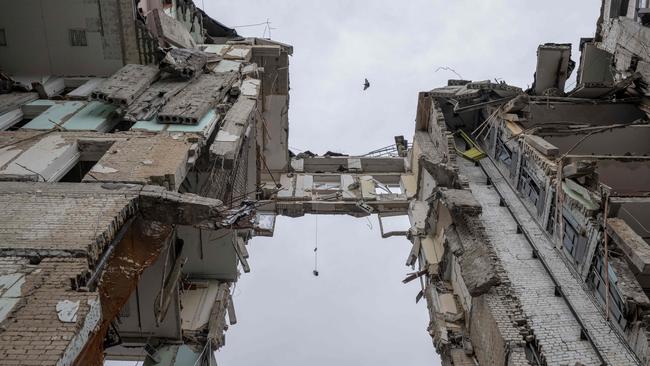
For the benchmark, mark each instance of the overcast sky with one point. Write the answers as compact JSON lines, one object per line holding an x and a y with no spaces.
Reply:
{"x":357,"y":312}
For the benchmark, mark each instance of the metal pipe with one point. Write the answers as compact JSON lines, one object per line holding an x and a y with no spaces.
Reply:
{"x":107,"y":254}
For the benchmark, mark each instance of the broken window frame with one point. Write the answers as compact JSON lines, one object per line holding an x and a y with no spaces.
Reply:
{"x":573,"y":243}
{"x":502,"y":152}
{"x":615,"y":300}
{"x":550,"y":226}
{"x":326,"y":183}
{"x":530,"y":188}
{"x":618,"y":8}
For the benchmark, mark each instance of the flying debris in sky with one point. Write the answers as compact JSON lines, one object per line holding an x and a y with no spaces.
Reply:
{"x":366,"y":84}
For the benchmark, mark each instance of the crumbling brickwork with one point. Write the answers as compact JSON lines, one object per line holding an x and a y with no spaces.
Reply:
{"x":64,"y":219}
{"x":32,"y":333}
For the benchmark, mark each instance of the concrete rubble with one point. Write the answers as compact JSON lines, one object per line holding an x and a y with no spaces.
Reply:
{"x":139,"y":161}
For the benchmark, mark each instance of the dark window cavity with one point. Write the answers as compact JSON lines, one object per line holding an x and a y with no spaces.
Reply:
{"x":78,"y":38}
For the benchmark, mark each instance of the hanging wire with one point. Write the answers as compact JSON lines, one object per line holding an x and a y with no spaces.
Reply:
{"x":315,"y":272}
{"x":201,"y":354}
{"x":250,"y":25}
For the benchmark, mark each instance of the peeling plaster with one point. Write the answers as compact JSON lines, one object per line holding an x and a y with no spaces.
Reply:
{"x":224,"y":136}
{"x":66,"y":310}
{"x":77,"y":344}
{"x":98,"y":168}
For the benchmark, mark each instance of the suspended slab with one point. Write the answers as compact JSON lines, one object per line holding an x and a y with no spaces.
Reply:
{"x":194,"y":101}
{"x":146,"y":106}
{"x":160,"y":159}
{"x":205,"y":127}
{"x":227,"y":145}
{"x":126,"y":84}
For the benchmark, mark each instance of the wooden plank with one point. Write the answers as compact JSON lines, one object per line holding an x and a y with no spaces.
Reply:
{"x":514,"y":128}
{"x":542,"y":145}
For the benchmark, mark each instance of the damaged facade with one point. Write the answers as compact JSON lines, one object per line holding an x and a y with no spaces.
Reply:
{"x":143,"y":144}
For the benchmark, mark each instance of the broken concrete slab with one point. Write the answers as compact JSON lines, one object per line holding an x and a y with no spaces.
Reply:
{"x":49,"y":87}
{"x":95,"y":116}
{"x":161,"y":159}
{"x":47,"y":160}
{"x":227,"y":145}
{"x":636,"y":250}
{"x":460,"y":202}
{"x":251,"y":88}
{"x":10,"y":118}
{"x":146,"y":106}
{"x":185,"y":63}
{"x":83,"y":91}
{"x":476,"y":263}
{"x":205,"y":128}
{"x":11,"y":101}
{"x":195,"y":100}
{"x":124,"y":86}
{"x":552,"y":71}
{"x":542,"y":145}
{"x":168,"y":30}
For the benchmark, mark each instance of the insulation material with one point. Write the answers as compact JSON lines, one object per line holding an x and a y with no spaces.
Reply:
{"x":55,"y":115}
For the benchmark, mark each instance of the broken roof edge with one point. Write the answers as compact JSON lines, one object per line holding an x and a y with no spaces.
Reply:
{"x":255,"y":41}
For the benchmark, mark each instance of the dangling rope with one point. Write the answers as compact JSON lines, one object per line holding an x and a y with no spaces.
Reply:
{"x":315,"y":272}
{"x":605,"y":240}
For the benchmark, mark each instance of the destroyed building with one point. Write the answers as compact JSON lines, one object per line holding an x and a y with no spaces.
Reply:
{"x":143,"y":144}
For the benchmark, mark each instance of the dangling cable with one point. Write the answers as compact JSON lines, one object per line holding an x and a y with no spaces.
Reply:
{"x":315,"y":272}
